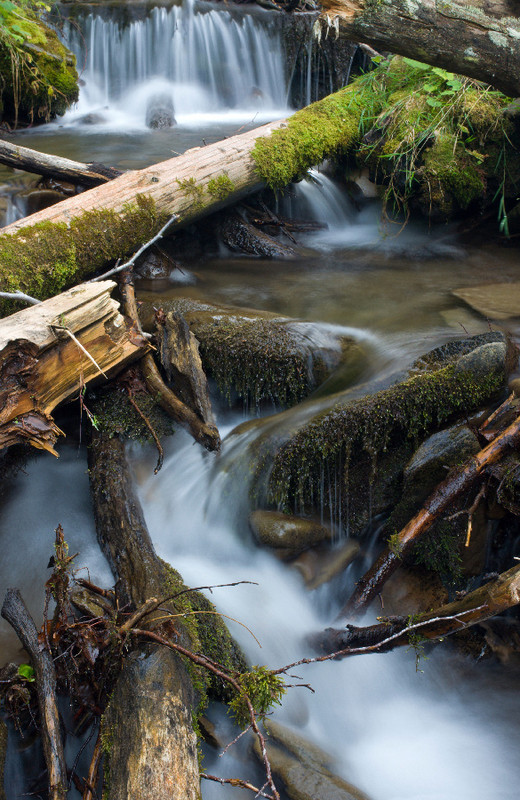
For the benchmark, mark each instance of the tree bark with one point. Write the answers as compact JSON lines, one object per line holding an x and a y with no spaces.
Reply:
{"x":457,"y":482}
{"x":477,"y":38}
{"x":477,"y":606}
{"x":88,"y":175}
{"x":15,"y":612}
{"x":50,"y":351}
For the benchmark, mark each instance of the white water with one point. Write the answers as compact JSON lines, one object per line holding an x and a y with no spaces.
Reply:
{"x":212,"y":64}
{"x":396,"y":733}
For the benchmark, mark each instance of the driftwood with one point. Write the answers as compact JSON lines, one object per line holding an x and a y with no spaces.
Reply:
{"x":456,"y":482}
{"x":179,"y":353}
{"x":153,"y":750}
{"x":203,"y":432}
{"x":488,"y":600}
{"x":50,"y":351}
{"x":88,"y":175}
{"x":15,"y":612}
{"x":471,"y":37}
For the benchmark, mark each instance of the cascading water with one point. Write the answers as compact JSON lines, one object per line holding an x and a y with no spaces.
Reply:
{"x":211,"y":63}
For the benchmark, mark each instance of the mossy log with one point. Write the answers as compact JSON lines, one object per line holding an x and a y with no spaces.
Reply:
{"x":88,"y":175}
{"x":50,"y":351}
{"x":148,"y":732}
{"x":471,"y":37}
{"x":487,"y":601}
{"x":60,"y":245}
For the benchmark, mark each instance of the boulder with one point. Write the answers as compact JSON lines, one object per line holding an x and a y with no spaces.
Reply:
{"x":303,"y":767}
{"x":257,"y":356}
{"x":159,"y":111}
{"x":320,"y":565}
{"x":293,"y":534}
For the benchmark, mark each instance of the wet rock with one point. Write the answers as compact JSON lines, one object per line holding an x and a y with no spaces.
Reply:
{"x":94,"y":118}
{"x":354,"y":452}
{"x":159,"y":112}
{"x":303,"y":767}
{"x":154,"y":266}
{"x":410,"y":591}
{"x":42,"y":198}
{"x":502,"y":635}
{"x":262,"y":356}
{"x":242,"y":237}
{"x":274,"y":529}
{"x":209,"y":733}
{"x":493,"y":300}
{"x":320,"y":565}
{"x":431,"y":462}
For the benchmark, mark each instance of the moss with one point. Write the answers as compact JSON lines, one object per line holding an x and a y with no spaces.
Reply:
{"x":221,"y":187}
{"x":39,"y":77}
{"x":453,"y":177}
{"x":194,"y":191}
{"x":115,"y":416}
{"x":67,"y":253}
{"x":330,"y":127}
{"x":336,"y":441}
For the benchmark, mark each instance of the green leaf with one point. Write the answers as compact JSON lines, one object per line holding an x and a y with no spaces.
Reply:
{"x":455,"y":85}
{"x":433,"y":102}
{"x":430,"y":87}
{"x":26,"y":672}
{"x":416,"y":64}
{"x":446,"y":76}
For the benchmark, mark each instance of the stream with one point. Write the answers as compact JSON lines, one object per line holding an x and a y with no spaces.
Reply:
{"x":446,"y":732}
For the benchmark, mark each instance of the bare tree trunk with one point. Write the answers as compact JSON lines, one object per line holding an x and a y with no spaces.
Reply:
{"x":485,"y":602}
{"x":15,"y":612}
{"x":88,"y":175}
{"x":477,"y":38}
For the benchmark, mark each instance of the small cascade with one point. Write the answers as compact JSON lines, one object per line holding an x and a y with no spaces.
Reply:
{"x":204,"y":61}
{"x":320,"y":199}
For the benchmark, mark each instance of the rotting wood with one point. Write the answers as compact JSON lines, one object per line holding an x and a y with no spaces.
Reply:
{"x":487,"y":601}
{"x":458,"y":481}
{"x":179,"y":353}
{"x":51,"y":351}
{"x":88,"y":175}
{"x":470,"y":37}
{"x":16,"y":614}
{"x":204,"y":433}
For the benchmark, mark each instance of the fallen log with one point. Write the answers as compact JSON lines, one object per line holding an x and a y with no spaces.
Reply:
{"x":51,"y":351}
{"x":471,"y":37}
{"x":458,"y":481}
{"x":88,"y":175}
{"x":59,"y":245}
{"x":16,"y":614}
{"x":487,"y":601}
{"x":152,"y":752}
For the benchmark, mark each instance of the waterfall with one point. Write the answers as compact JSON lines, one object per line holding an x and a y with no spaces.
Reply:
{"x":210,"y":62}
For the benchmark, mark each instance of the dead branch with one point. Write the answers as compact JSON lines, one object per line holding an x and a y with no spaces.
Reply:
{"x":15,"y":612}
{"x":458,"y":481}
{"x":236,"y":782}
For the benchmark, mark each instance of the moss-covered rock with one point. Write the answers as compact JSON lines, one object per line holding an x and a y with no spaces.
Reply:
{"x":38,"y":74}
{"x":259,"y":356}
{"x":350,"y":458}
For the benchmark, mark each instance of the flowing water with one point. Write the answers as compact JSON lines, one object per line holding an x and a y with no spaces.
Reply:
{"x":447,"y":733}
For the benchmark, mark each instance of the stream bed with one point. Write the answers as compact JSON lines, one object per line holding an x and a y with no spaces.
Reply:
{"x":446,"y":732}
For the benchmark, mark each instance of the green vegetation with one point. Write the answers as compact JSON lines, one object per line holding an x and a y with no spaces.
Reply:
{"x":437,"y":142}
{"x":264,"y":690}
{"x":221,"y":187}
{"x":67,"y":253}
{"x":38,"y":77}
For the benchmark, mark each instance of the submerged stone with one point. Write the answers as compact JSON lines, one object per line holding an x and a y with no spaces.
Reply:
{"x":274,"y":529}
{"x":494,"y":300}
{"x":304,"y":768}
{"x":320,"y":565}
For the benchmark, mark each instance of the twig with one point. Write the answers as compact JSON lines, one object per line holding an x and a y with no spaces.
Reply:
{"x":25,"y":298}
{"x":150,"y":427}
{"x":371,"y":648}
{"x":236,"y":782}
{"x":91,"y":779}
{"x":145,"y":609}
{"x":136,"y":255}
{"x":74,"y":339}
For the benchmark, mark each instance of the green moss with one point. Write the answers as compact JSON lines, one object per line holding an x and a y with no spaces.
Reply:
{"x":194,"y":191}
{"x":453,"y":177}
{"x":65,"y":254}
{"x":335,"y":442}
{"x":115,"y":415}
{"x":221,"y":187}
{"x":330,"y":127}
{"x":39,"y":78}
